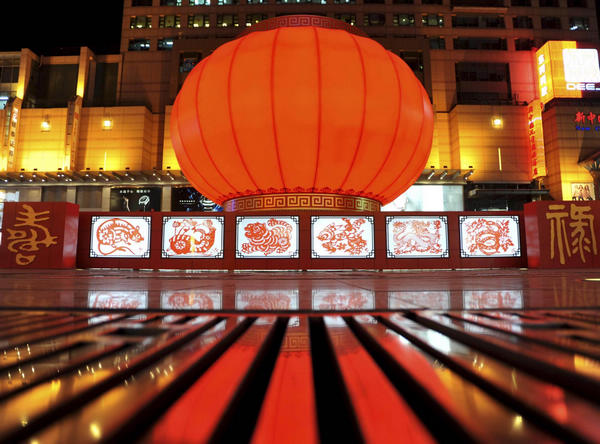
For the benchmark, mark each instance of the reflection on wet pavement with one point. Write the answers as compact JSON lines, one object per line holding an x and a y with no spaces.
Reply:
{"x":302,"y":292}
{"x":464,"y":356}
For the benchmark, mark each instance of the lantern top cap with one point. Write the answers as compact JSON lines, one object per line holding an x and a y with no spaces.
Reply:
{"x":300,"y":20}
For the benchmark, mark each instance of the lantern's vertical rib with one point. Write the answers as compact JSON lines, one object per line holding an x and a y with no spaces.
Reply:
{"x":410,"y":160}
{"x":175,"y":122}
{"x":364,"y":111}
{"x":202,"y":139}
{"x":233,"y":134}
{"x":319,"y":106}
{"x":396,"y":129}
{"x":271,"y":89}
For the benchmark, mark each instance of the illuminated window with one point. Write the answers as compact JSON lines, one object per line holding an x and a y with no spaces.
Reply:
{"x":227,"y":20}
{"x":252,"y":19}
{"x":374,"y":19}
{"x":345,"y":2}
{"x":437,"y":43}
{"x":256,"y":2}
{"x":404,"y":20}
{"x":550,"y":23}
{"x":522,"y":22}
{"x":139,"y":45}
{"x":227,"y":2}
{"x":198,"y":21}
{"x":432,"y":20}
{"x":169,"y":21}
{"x":140,"y":22}
{"x":579,"y":24}
{"x":348,"y":18}
{"x":199,"y":2}
{"x":170,"y":2}
{"x":165,"y":44}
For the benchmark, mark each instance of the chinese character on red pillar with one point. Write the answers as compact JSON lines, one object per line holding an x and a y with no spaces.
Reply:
{"x":579,"y":117}
{"x":591,"y":116}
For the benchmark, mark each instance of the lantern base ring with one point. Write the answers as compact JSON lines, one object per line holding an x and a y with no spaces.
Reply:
{"x":301,"y":201}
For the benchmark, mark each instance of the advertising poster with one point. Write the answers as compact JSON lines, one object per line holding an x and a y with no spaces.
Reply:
{"x":192,"y":237}
{"x":342,"y":237}
{"x":190,"y":199}
{"x":417,"y":237}
{"x":135,"y":199}
{"x":266,"y":237}
{"x":582,"y":191}
{"x":125,"y":237}
{"x":489,"y":236}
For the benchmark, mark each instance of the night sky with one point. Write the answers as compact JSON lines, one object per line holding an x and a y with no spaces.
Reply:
{"x":50,"y":28}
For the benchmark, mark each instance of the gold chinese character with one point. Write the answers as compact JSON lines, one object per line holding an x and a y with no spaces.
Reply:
{"x":26,"y":239}
{"x":579,"y":240}
{"x":558,"y":232}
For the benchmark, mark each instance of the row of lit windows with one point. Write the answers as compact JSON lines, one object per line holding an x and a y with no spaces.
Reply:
{"x":521,"y":44}
{"x":484,"y":3}
{"x":374,"y":19}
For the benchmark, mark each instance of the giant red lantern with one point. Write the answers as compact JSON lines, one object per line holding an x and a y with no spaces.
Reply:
{"x":301,"y":112}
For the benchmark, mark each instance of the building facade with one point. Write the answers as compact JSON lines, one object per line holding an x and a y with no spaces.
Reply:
{"x":90,"y":128}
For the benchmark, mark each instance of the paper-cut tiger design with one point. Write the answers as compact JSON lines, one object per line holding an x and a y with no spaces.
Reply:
{"x":275,"y":236}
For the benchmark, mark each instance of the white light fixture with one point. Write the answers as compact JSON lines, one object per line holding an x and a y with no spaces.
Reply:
{"x":107,"y":123}
{"x":497,"y":122}
{"x":45,"y":126}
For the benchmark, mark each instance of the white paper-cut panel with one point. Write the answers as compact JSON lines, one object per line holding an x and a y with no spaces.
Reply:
{"x":266,"y":299}
{"x":342,"y":299}
{"x":118,"y":299}
{"x":192,"y":237}
{"x":490,"y":299}
{"x":431,"y":299}
{"x":191,"y":299}
{"x":126,"y":237}
{"x":417,"y":237}
{"x":342,"y":237}
{"x":489,"y":236}
{"x":267,"y":237}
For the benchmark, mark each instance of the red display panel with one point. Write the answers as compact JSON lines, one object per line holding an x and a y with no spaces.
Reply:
{"x":39,"y":235}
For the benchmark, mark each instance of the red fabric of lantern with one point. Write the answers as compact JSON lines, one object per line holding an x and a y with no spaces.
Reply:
{"x":302,"y":109}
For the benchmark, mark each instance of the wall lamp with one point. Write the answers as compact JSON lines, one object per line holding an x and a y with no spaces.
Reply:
{"x":45,"y":126}
{"x":107,"y":123}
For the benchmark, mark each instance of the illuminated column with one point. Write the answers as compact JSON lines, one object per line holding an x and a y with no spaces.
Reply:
{"x":12,"y":112}
{"x":72,"y":133}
